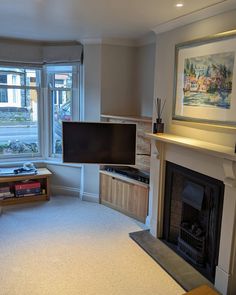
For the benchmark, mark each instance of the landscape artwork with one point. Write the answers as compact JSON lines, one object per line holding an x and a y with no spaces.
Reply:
{"x":208,"y":80}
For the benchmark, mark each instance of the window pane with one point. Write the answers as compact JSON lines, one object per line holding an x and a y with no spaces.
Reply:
{"x":3,"y":79}
{"x":13,"y":76}
{"x":32,"y":78}
{"x":60,"y":80}
{"x":19,"y":124}
{"x":62,"y":111}
{"x":3,"y":95}
{"x":18,"y":77}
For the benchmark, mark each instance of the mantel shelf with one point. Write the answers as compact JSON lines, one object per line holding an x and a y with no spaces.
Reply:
{"x":213,"y":149}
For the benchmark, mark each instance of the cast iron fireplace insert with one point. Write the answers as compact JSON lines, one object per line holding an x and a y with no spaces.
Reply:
{"x":193,"y":208}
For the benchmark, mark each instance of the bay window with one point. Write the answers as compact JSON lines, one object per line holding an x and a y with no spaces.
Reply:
{"x":29,"y":104}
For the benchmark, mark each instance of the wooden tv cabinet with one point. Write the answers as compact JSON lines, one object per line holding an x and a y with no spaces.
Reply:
{"x":124,"y":194}
{"x":42,"y":176}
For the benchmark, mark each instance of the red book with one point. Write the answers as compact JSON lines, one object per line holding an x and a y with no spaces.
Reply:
{"x":27,"y":185}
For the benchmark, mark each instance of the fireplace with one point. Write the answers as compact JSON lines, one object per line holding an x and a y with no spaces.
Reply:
{"x":214,"y":161}
{"x":193,"y":205}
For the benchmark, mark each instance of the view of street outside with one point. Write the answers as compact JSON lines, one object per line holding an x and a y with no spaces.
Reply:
{"x":18,"y":111}
{"x":19,"y":95}
{"x":18,"y":137}
{"x":26,"y":133}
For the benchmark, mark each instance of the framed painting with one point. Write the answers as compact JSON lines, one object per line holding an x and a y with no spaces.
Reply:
{"x":205,"y":80}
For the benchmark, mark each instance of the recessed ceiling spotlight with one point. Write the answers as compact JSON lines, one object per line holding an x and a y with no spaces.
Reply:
{"x":179,"y":4}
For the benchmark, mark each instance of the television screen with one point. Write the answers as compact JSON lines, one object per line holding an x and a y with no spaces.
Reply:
{"x":99,"y":143}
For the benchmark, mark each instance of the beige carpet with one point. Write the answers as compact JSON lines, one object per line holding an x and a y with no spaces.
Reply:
{"x":70,"y":247}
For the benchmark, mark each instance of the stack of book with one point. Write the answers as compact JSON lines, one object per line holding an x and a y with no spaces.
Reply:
{"x":5,"y":192}
{"x":29,"y":188}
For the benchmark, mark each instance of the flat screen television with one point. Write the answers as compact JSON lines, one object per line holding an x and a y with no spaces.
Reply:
{"x":99,"y":143}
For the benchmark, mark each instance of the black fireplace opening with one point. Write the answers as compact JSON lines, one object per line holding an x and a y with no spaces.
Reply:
{"x":193,"y":206}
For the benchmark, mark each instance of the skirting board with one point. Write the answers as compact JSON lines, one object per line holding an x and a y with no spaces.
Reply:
{"x":65,"y":190}
{"x":90,"y":197}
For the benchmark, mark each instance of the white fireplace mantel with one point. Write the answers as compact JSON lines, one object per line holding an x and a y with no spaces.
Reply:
{"x":217,"y":161}
{"x":195,"y":144}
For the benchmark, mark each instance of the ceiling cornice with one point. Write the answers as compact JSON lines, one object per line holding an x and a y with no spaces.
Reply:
{"x":196,"y":16}
{"x":109,"y":41}
{"x":91,"y":41}
{"x":149,"y":38}
{"x":120,"y":42}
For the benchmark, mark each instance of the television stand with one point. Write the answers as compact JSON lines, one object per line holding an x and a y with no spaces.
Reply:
{"x":124,"y":194}
{"x":42,"y":176}
{"x":130,"y":172}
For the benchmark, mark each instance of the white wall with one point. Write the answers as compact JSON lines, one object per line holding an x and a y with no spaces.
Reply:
{"x":164,"y":75}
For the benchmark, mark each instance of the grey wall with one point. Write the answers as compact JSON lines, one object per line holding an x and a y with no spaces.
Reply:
{"x":119,"y":66}
{"x":113,"y":85}
{"x":164,"y":75}
{"x":145,"y":78}
{"x":92,"y":82}
{"x":92,"y":106}
{"x":127,"y":79}
{"x":65,"y":179}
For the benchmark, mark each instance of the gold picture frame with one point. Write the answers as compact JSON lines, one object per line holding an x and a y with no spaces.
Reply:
{"x":205,"y":80}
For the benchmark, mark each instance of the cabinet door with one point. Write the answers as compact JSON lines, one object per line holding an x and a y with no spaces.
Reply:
{"x":138,"y":202}
{"x":129,"y":198}
{"x":121,"y":190}
{"x":105,"y":188}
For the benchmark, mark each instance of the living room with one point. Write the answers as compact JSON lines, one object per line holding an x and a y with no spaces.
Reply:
{"x":123,"y":77}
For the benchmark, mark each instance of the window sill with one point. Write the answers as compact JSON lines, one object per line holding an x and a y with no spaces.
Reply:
{"x":57,"y":162}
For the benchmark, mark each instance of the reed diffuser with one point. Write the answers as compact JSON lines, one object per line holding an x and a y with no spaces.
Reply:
{"x":158,"y":126}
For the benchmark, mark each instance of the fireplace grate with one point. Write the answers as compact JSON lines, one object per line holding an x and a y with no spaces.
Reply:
{"x":191,"y":246}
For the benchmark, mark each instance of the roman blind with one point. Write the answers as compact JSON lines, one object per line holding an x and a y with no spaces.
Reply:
{"x":39,"y":53}
{"x":55,"y":53}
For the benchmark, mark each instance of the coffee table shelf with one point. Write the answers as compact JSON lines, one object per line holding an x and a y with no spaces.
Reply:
{"x":43,"y":176}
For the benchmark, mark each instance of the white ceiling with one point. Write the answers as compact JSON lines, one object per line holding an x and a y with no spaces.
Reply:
{"x":93,"y":19}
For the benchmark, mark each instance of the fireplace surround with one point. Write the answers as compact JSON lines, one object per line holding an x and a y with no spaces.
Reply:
{"x":215,"y":161}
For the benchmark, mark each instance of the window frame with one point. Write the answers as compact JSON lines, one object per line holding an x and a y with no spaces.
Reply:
{"x":26,"y":156}
{"x":75,"y":104}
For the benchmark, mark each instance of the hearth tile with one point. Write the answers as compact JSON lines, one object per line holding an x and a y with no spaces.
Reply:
{"x":187,"y":276}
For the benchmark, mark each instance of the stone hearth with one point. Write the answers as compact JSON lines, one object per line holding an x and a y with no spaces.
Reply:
{"x":181,"y":271}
